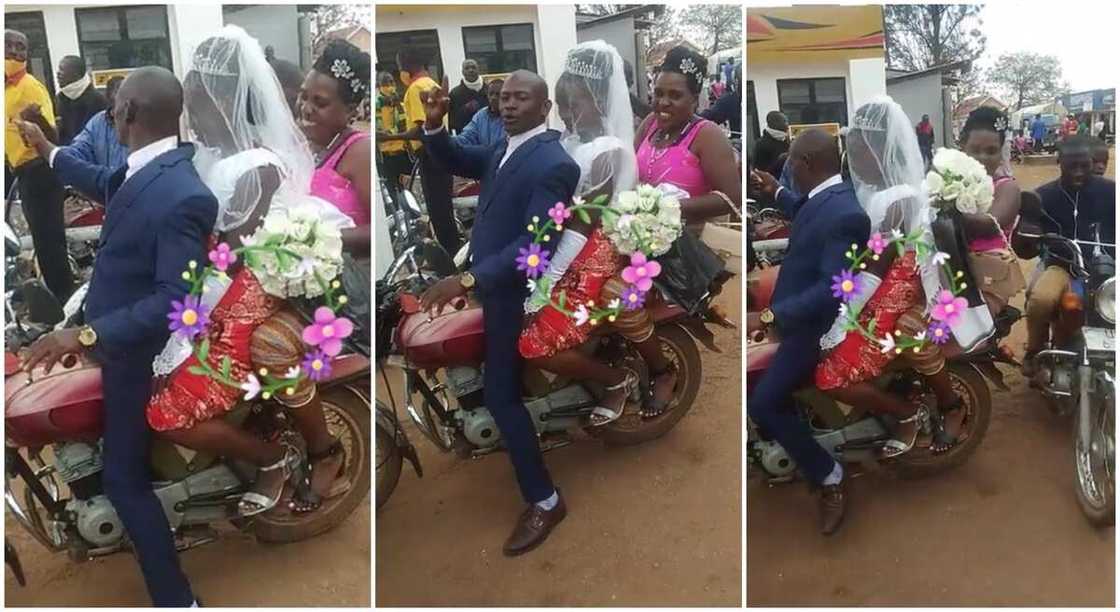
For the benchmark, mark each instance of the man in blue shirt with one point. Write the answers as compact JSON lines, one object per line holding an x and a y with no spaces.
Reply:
{"x":485,"y":127}
{"x":97,"y":143}
{"x":1038,"y":132}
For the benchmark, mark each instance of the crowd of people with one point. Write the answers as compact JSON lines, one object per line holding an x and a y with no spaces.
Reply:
{"x":877,"y":188}
{"x":261,"y":137}
{"x":610,"y":143}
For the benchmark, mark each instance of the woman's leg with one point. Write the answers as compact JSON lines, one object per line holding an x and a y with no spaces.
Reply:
{"x":579,"y":366}
{"x":637,"y":327}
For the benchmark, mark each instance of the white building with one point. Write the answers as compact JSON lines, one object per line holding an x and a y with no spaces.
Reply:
{"x":929,"y":92}
{"x":115,"y":38}
{"x":502,"y":38}
{"x":815,"y":63}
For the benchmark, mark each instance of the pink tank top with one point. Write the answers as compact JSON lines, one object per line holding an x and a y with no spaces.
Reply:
{"x":674,"y":164}
{"x":994,"y":243}
{"x":328,"y":184}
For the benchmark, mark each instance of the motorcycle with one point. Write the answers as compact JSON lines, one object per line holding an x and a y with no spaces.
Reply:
{"x":441,"y":363}
{"x":852,"y":434}
{"x":53,"y":466}
{"x":1076,"y":374}
{"x":83,"y":230}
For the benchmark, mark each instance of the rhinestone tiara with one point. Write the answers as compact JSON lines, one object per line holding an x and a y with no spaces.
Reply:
{"x":581,"y":68}
{"x":206,"y":64}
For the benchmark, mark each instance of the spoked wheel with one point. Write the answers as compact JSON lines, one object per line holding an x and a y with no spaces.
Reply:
{"x":348,"y":418}
{"x":1095,"y":465}
{"x":389,"y":460}
{"x":969,"y":424}
{"x":632,"y":428}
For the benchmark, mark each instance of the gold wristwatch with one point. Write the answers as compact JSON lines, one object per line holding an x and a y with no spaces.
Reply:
{"x":766,"y":316}
{"x":87,"y":336}
{"x":466,"y":279}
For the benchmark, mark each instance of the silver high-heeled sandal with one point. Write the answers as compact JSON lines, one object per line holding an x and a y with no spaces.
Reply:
{"x":602,"y":415}
{"x":253,"y":503}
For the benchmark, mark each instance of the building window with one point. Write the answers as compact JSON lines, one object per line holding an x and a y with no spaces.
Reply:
{"x":124,"y":37}
{"x":813,"y":100}
{"x":425,"y":41}
{"x":501,"y":49}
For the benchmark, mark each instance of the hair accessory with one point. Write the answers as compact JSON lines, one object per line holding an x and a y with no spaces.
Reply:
{"x":688,"y":66}
{"x":1000,"y":124}
{"x":580,"y":68}
{"x":341,"y":70}
{"x":206,"y":63}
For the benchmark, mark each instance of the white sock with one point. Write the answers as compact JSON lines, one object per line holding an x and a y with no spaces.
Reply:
{"x":835,"y":476}
{"x":550,"y":502}
{"x":194,"y":604}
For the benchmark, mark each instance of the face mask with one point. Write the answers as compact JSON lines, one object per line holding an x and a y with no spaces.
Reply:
{"x":406,"y":77}
{"x":14,"y":67}
{"x":388,"y":90}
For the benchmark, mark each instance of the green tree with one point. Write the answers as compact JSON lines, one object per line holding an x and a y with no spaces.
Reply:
{"x":919,"y":36}
{"x":713,"y":27}
{"x":1027,"y":78}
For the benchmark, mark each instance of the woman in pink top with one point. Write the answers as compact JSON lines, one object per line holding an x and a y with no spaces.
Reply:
{"x":329,"y":100}
{"x":675,"y":145}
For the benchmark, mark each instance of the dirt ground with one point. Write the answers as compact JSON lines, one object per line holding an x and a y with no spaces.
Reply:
{"x":1003,"y":529}
{"x":658,"y":524}
{"x":235,"y":571}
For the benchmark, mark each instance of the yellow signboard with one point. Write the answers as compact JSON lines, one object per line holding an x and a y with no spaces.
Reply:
{"x":803,"y":33}
{"x":831,"y":128}
{"x":101,"y":78}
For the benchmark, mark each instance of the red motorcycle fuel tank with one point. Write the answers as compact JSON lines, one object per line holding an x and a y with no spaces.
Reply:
{"x":64,"y":405}
{"x":454,"y":338}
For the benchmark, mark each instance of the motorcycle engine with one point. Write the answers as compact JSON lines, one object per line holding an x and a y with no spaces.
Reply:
{"x":479,"y":428}
{"x":97,"y":520}
{"x":79,"y":466}
{"x":774,"y":459}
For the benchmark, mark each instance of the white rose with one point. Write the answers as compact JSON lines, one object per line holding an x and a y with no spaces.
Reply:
{"x":951,"y":190}
{"x":934,"y":184}
{"x":647,"y":203}
{"x":627,"y":201}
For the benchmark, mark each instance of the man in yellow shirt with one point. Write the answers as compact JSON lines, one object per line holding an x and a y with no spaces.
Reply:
{"x":41,"y":192}
{"x":392,"y":159}
{"x":434,"y":178}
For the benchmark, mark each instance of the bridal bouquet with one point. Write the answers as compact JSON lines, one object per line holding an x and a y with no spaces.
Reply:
{"x":958,"y":181}
{"x":641,"y":224}
{"x":646,"y":220}
{"x":294,"y":253}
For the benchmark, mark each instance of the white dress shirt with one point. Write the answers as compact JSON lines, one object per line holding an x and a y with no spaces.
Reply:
{"x":835,"y":179}
{"x":139,"y":158}
{"x":520,"y":139}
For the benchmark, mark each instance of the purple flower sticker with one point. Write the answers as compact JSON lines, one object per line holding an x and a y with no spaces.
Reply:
{"x":222,"y":257}
{"x":641,"y":272}
{"x":317,"y":364}
{"x":845,"y":286}
{"x":189,"y":317}
{"x":938,"y":332}
{"x":533,"y":260}
{"x":877,"y":244}
{"x":633,"y":298}
{"x":327,"y":331}
{"x":948,"y":308}
{"x":559,"y":213}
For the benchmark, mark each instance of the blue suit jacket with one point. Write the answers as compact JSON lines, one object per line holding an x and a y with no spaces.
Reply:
{"x":538,"y":175}
{"x":824,"y":227}
{"x":156,"y":222}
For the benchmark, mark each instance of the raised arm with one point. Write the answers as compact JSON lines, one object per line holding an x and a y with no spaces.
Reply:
{"x":462,"y":160}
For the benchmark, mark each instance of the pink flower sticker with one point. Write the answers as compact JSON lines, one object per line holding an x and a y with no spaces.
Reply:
{"x":222,"y":257}
{"x":327,"y":331}
{"x":948,"y":308}
{"x":641,"y":272}
{"x":877,"y":244}
{"x":559,"y":213}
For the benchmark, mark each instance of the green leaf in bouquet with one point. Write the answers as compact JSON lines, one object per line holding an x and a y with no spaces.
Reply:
{"x":204,"y":350}
{"x":583,"y":215}
{"x":227,"y":365}
{"x":198,"y":371}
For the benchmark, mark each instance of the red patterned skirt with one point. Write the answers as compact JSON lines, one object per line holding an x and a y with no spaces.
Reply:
{"x":550,"y":331}
{"x":191,"y":398}
{"x":856,"y":358}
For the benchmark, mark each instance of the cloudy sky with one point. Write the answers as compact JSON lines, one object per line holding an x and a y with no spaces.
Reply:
{"x":1081,"y":33}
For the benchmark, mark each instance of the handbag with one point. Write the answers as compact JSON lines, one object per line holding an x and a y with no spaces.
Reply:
{"x":691,"y":273}
{"x":975,"y":325}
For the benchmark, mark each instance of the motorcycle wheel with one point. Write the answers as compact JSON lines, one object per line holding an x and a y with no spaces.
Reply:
{"x":348,"y":416}
{"x":389,"y":461}
{"x":631,"y":428}
{"x":1093,"y":469}
{"x":973,"y":424}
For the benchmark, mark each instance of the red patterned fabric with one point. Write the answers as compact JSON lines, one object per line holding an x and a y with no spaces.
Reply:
{"x":550,"y":331}
{"x":191,"y":398}
{"x":857,"y":358}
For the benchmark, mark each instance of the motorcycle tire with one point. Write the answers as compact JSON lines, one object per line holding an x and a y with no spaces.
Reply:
{"x":921,"y":463}
{"x":1102,"y":512}
{"x":690,"y":371}
{"x":294,"y":528}
{"x":389,"y":469}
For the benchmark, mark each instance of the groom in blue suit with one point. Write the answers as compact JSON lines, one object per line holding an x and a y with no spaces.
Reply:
{"x":521,"y":179}
{"x":159,"y":217}
{"x":826,"y":223}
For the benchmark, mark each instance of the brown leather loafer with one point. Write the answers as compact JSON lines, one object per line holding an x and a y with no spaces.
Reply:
{"x":533,"y":527}
{"x":832,"y":502}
